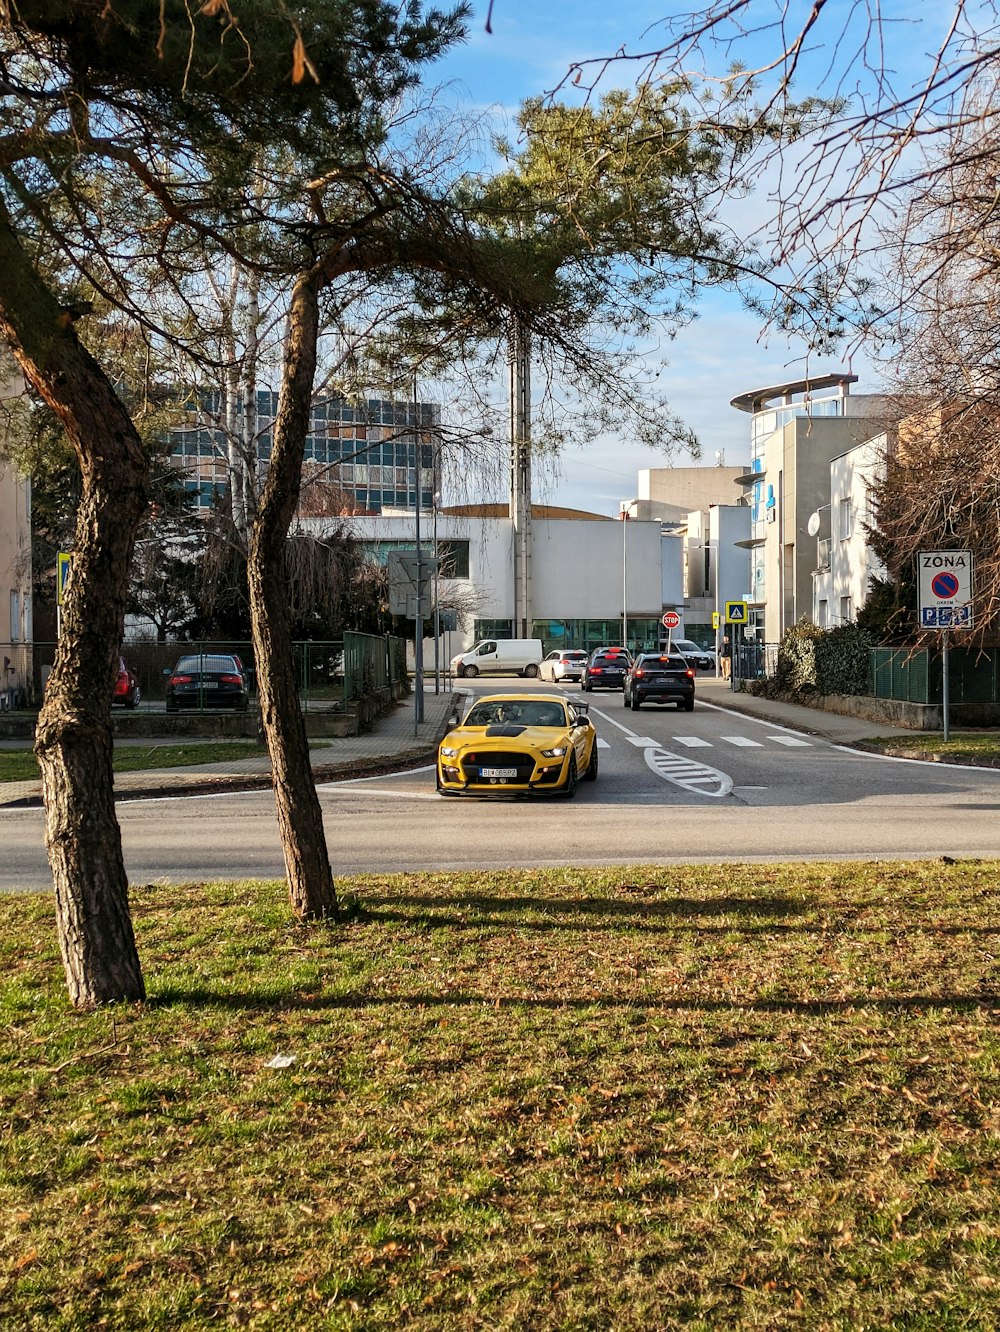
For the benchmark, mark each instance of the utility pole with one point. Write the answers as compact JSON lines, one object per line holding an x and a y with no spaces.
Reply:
{"x":519,"y":359}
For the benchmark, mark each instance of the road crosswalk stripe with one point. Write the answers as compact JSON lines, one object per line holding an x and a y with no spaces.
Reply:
{"x":741,"y":741}
{"x":790,"y":740}
{"x":692,"y":741}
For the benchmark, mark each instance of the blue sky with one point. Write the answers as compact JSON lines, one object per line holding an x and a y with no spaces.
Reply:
{"x":723,"y":352}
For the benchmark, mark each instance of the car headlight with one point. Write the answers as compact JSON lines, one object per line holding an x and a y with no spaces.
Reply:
{"x":554,"y":753}
{"x":448,"y":752}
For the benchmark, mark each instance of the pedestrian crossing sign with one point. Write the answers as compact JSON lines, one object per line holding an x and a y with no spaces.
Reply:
{"x":736,"y":612}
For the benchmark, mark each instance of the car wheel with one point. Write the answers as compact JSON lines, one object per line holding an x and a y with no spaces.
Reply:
{"x":591,"y":774}
{"x":171,"y":705}
{"x":133,"y":702}
{"x":530,"y":672}
{"x":470,"y":672}
{"x":689,"y":705}
{"x":585,"y":685}
{"x":569,"y":790}
{"x":634,"y":702}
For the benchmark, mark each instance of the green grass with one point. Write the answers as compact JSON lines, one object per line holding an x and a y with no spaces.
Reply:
{"x":969,"y":746}
{"x":743,"y":1097}
{"x":19,"y":765}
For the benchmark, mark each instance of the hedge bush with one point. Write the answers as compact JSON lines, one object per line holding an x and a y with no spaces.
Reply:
{"x":820,"y":661}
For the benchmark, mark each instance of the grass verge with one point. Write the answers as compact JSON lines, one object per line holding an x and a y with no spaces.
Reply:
{"x":748,"y":1097}
{"x":20,"y":765}
{"x":974,"y":747}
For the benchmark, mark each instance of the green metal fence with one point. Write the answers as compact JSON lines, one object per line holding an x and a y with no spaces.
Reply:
{"x":329,"y":674}
{"x":916,"y":677}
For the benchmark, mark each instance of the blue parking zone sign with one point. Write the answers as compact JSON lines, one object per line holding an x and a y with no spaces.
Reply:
{"x":946,"y":617}
{"x":64,"y":563}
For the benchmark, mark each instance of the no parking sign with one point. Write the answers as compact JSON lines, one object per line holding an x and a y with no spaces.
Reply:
{"x":945,"y":589}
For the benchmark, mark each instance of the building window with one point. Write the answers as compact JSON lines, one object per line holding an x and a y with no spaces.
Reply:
{"x":846,"y":610}
{"x":823,"y":615}
{"x":483,"y":629}
{"x":15,"y":617}
{"x":845,"y":517}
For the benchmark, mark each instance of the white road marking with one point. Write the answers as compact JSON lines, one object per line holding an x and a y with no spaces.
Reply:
{"x":692,"y":741}
{"x":676,"y":768}
{"x":790,"y":740}
{"x":697,"y":778}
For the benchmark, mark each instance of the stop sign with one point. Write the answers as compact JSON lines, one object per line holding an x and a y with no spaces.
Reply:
{"x":671,"y":619}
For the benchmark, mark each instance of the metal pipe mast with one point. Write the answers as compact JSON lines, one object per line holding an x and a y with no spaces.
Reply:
{"x":519,"y":360}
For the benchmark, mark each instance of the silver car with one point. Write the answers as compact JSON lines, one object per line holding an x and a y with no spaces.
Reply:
{"x":563,"y":664}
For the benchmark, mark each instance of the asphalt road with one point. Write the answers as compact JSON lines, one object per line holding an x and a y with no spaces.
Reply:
{"x":673,"y":787}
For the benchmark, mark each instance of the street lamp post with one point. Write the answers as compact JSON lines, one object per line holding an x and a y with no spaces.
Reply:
{"x":625,"y":513}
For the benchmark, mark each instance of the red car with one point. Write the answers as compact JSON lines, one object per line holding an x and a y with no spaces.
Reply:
{"x":127,"y":691}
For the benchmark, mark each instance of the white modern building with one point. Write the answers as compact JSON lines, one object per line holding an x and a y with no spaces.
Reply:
{"x":797,"y":430}
{"x":589,"y":572}
{"x":594,"y":580}
{"x":845,"y":563}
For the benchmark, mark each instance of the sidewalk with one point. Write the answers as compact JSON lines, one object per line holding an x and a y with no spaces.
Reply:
{"x":832,"y":726}
{"x":395,"y":741}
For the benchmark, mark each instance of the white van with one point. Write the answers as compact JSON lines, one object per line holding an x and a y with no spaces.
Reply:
{"x":497,"y":656}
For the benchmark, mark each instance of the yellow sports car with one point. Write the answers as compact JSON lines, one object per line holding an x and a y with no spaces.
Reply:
{"x":519,"y":742}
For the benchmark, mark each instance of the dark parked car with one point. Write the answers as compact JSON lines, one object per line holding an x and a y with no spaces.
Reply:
{"x":660,"y":678}
{"x":127,"y":691}
{"x":208,"y":681}
{"x":606,"y":668}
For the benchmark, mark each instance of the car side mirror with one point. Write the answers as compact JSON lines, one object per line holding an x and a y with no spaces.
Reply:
{"x":166,"y":670}
{"x":452,"y":721}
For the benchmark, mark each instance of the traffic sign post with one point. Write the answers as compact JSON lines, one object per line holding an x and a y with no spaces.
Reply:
{"x":945,"y":601}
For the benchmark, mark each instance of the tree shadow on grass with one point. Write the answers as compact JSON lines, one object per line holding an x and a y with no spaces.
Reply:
{"x":634,"y":908}
{"x":298,"y":1002}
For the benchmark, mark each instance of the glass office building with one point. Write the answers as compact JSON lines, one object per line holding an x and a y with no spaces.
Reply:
{"x":365,"y":448}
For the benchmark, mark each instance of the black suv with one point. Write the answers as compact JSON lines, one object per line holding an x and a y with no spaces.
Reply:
{"x":659,"y":678}
{"x":606,"y":668}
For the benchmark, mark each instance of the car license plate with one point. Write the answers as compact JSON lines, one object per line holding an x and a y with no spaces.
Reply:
{"x":498,"y":772}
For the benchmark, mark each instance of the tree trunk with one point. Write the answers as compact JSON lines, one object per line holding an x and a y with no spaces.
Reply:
{"x":300,"y":819}
{"x":73,"y":735}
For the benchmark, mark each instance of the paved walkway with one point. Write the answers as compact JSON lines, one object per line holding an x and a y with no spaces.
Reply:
{"x":811,"y":721}
{"x":397,"y":741}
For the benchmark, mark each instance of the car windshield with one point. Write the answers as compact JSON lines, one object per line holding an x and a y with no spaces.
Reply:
{"x":527,"y":712}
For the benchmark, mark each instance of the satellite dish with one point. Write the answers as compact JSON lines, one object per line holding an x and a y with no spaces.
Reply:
{"x":812,"y":527}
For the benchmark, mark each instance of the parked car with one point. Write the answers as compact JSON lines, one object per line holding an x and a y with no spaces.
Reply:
{"x":504,"y":656}
{"x":127,"y":692}
{"x":563,"y":664}
{"x":518,"y":742}
{"x":702,"y":657}
{"x":606,"y":668}
{"x":660,"y":677}
{"x":207,"y":681}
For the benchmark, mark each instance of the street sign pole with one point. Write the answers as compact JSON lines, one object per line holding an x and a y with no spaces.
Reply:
{"x":944,"y":589}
